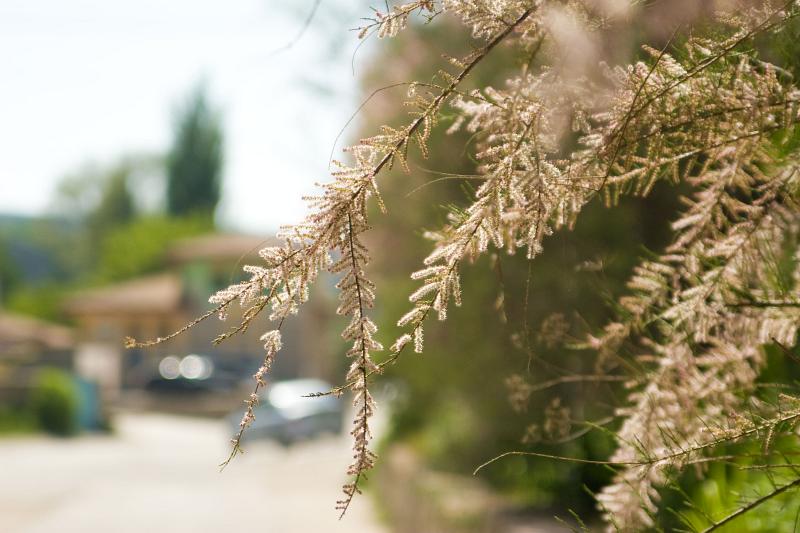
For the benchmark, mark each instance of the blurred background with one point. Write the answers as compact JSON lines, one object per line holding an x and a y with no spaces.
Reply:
{"x":151,"y":149}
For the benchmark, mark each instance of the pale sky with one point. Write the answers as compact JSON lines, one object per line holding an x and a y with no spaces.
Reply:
{"x":88,"y":80}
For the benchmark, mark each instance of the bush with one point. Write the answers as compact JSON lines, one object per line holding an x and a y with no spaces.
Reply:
{"x":54,"y":402}
{"x":13,"y":421}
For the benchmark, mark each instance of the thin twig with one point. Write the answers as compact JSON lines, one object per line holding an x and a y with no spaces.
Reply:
{"x":752,"y":505}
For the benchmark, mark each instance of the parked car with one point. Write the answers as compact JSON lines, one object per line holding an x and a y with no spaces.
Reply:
{"x":285,"y":414}
{"x":193,"y":373}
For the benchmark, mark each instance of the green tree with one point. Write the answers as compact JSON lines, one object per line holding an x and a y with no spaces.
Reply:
{"x":116,"y":205}
{"x":139,"y":247}
{"x":96,"y":200}
{"x":195,"y":160}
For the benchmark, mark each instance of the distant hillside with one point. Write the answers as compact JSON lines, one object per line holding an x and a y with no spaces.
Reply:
{"x":40,"y":249}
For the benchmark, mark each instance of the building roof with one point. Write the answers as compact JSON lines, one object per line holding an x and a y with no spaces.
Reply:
{"x":164,"y":293}
{"x":161,"y":293}
{"x":19,"y":329}
{"x":219,"y":247}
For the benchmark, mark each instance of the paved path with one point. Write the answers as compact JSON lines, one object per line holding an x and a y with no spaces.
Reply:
{"x":158,"y":473}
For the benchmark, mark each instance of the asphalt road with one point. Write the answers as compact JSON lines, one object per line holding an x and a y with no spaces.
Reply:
{"x":158,"y":473}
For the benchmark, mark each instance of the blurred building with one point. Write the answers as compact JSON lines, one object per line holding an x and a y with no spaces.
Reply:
{"x":26,"y":340}
{"x":155,"y":306}
{"x":25,"y":344}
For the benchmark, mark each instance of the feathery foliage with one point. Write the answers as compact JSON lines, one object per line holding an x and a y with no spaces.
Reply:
{"x":702,"y":110}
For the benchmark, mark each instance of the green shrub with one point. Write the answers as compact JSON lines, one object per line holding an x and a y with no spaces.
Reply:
{"x":13,"y":421}
{"x":54,"y":402}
